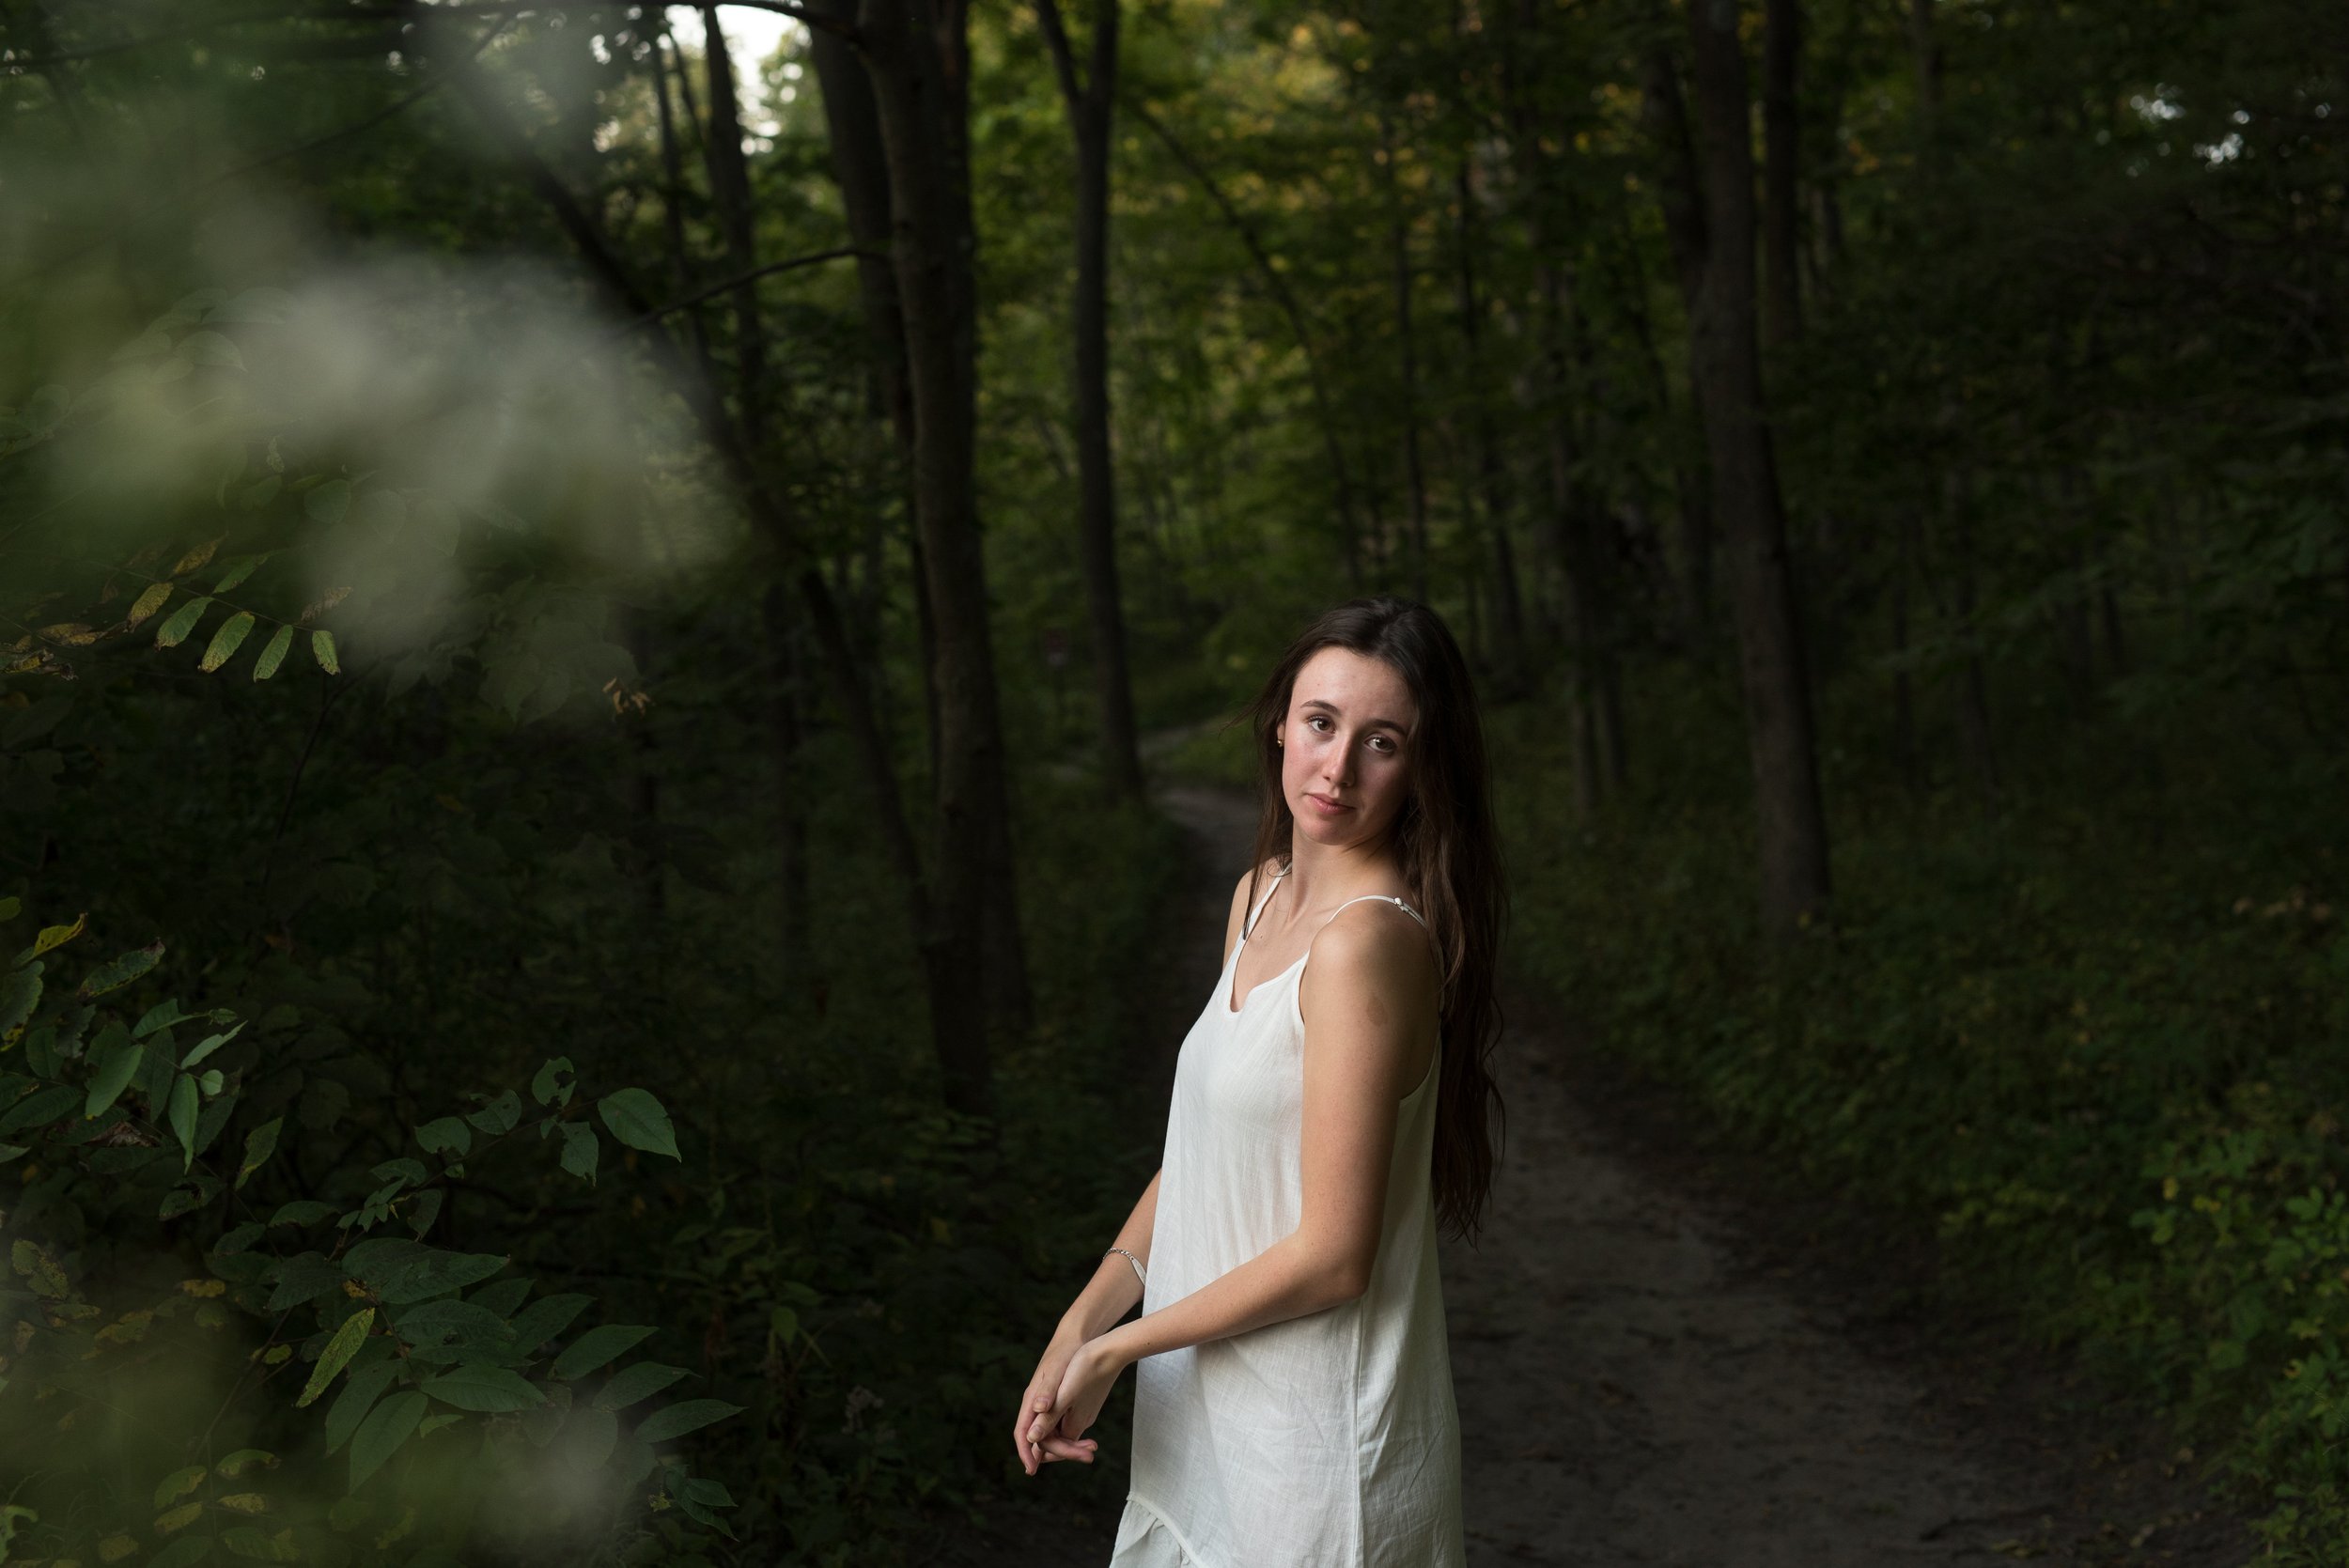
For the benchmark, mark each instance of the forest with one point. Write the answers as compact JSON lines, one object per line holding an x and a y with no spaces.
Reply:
{"x":606,"y":610}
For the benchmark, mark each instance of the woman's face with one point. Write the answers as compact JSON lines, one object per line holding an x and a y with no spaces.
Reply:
{"x":1345,"y":758}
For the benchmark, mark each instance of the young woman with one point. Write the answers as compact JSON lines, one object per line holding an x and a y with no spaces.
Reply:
{"x":1294,"y":1402}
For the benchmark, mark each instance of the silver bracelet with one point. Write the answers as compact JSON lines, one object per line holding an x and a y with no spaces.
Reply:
{"x":1140,"y":1273}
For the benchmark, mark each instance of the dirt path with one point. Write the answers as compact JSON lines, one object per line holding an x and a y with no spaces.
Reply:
{"x":1652,"y":1370}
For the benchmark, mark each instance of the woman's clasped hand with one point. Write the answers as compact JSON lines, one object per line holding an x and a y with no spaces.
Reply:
{"x":1064,"y":1397}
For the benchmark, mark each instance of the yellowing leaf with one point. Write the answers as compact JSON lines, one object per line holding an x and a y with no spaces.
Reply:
{"x":226,"y":640}
{"x":332,"y":598}
{"x":322,"y":649}
{"x":182,"y":621}
{"x":114,"y":1548}
{"x":55,"y":935}
{"x":74,"y":634}
{"x":244,"y":1502}
{"x":274,"y":654}
{"x":148,"y":603}
{"x":197,"y":557}
{"x":203,"y":1287}
{"x":179,"y":1518}
{"x":178,"y":1485}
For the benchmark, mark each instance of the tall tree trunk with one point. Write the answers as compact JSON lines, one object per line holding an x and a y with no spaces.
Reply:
{"x":1974,"y":734}
{"x":1781,"y":167}
{"x":916,"y":58}
{"x":1680,"y":202}
{"x":1415,"y":470}
{"x":787,"y":733}
{"x":1091,"y":102}
{"x":1507,"y":617}
{"x":730,"y":196}
{"x":1725,"y":369}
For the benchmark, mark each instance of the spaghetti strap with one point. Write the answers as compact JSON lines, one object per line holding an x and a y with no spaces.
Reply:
{"x":1251,"y":924}
{"x":1390,"y":898}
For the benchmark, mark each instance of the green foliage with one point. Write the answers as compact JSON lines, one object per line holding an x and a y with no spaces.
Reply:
{"x":424,"y":1338}
{"x":2093,"y":1047}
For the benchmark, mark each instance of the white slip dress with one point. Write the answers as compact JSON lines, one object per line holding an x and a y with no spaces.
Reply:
{"x":1330,"y":1440}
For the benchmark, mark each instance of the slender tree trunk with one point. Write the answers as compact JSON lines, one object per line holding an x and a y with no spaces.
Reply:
{"x":730,"y":196}
{"x":1681,"y":204}
{"x":1507,"y":617}
{"x":1091,"y":103}
{"x":1725,"y":369}
{"x":916,"y":60}
{"x":1415,"y":470}
{"x":1975,"y":736}
{"x":1903,"y":683}
{"x":787,"y":732}
{"x":1781,"y":166}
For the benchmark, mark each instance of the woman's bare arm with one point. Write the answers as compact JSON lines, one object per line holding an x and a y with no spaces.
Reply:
{"x":1113,"y":1290}
{"x":1372,"y":993}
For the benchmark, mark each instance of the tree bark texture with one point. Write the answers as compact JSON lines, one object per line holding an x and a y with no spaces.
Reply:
{"x":1091,"y":100}
{"x":1725,"y":369}
{"x":1781,"y":166}
{"x":917,"y":62}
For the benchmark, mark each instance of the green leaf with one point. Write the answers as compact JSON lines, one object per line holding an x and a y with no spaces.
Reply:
{"x":675,"y":1421}
{"x":211,"y":1081}
{"x":302,"y":1211}
{"x":387,"y":1426}
{"x":40,"y":1108}
{"x":580,"y":1150}
{"x":178,"y":1485}
{"x":337,"y":1354}
{"x":304,"y":1277}
{"x":226,"y":640}
{"x":438,"y":1274}
{"x":40,"y":1272}
{"x":18,"y":995}
{"x":632,"y":1384}
{"x":274,"y":653}
{"x":446,"y":1135}
{"x":327,"y":503}
{"x":637,"y":1120}
{"x":119,"y":972}
{"x":503,"y":1296}
{"x":360,"y":1392}
{"x":322,"y":649}
{"x":259,"y":1145}
{"x":545,"y":1318}
{"x":181,"y":1199}
{"x":440,"y":1322}
{"x":183,"y":1553}
{"x":593,"y":1435}
{"x":161,"y":1016}
{"x":598,"y":1347}
{"x":497,"y":1117}
{"x":251,"y":1541}
{"x":114,"y":1057}
{"x":182,"y":1115}
{"x":492,"y":1390}
{"x":209,"y":1043}
{"x":175,"y":630}
{"x":241,"y":566}
{"x":545,"y":1087}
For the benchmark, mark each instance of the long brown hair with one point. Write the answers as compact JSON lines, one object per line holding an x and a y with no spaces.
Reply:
{"x":1449,"y":852}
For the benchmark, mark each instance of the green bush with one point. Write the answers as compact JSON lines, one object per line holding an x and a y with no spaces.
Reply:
{"x":2093,"y":1041}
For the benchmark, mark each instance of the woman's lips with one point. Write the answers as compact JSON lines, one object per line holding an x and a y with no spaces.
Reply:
{"x":1327,"y":807}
